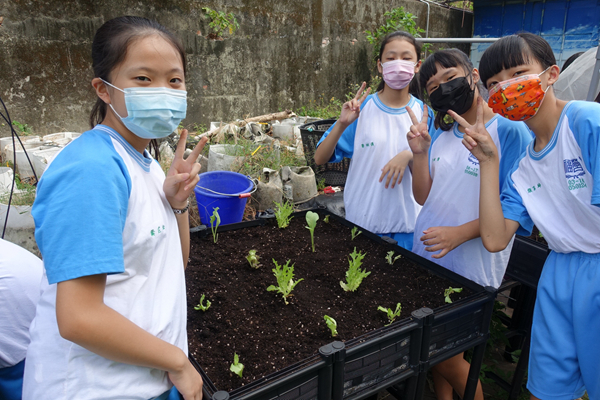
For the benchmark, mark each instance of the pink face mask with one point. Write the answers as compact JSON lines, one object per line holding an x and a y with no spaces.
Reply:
{"x":397,"y":74}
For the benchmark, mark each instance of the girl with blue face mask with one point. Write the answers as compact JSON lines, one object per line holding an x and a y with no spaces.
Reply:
{"x":114,"y":234}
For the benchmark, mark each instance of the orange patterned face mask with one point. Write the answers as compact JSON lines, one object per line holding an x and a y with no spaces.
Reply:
{"x":518,"y":99}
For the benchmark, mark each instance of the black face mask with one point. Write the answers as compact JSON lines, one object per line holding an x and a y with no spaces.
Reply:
{"x":455,"y":95}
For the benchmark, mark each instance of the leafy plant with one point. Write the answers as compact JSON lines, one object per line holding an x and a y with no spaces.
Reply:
{"x":331,"y":324}
{"x":311,"y":220}
{"x":219,"y":22}
{"x":355,"y":232}
{"x":23,"y":129}
{"x":321,"y":184}
{"x":391,"y":314}
{"x":390,"y":257}
{"x":283,"y":211}
{"x":323,"y":107}
{"x":213,"y":226}
{"x":201,"y":306}
{"x":252,"y":258}
{"x":354,"y":275}
{"x":237,"y":367}
{"x":396,"y":19}
{"x":326,"y":219}
{"x":285,"y":280}
{"x":449,"y":291}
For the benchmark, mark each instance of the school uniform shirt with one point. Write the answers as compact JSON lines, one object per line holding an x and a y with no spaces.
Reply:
{"x":100,"y":209}
{"x":377,"y":136}
{"x":558,"y":188}
{"x":20,"y":279}
{"x":453,"y":199}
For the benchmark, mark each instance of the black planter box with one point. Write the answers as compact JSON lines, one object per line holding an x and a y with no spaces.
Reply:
{"x":400,"y":353}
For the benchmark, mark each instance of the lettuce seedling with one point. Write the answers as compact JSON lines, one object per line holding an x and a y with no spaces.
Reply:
{"x":390,"y":257}
{"x":355,"y":232}
{"x":237,"y":367}
{"x":285,"y":280}
{"x":213,"y":226}
{"x":311,"y":220}
{"x":391,"y":314}
{"x":326,"y":219}
{"x":354,"y":275}
{"x":449,"y":291}
{"x":331,"y":324}
{"x":283,"y":211}
{"x":252,"y":258}
{"x":202,"y":307}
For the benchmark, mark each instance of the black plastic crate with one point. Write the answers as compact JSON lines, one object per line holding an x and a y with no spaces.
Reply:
{"x":397,"y":355}
{"x":334,"y":173}
{"x":526,"y":261}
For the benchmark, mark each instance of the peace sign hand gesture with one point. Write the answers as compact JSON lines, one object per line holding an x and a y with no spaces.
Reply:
{"x":476,"y":138}
{"x":418,"y":136}
{"x":183,"y":174}
{"x":351,"y":109}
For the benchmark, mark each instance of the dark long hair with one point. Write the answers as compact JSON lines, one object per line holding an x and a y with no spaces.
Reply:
{"x":109,"y":49}
{"x":413,"y":87}
{"x":512,"y":51}
{"x":446,"y":59}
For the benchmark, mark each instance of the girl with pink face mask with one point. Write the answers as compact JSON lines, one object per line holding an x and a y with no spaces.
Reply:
{"x":371,"y":131}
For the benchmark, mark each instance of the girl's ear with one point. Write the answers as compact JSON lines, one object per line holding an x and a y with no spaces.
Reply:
{"x":101,"y":90}
{"x":418,"y":66}
{"x":476,"y":76}
{"x":379,"y":67}
{"x":553,"y":74}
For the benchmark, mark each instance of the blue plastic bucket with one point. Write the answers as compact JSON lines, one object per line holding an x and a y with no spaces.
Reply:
{"x":224,"y":189}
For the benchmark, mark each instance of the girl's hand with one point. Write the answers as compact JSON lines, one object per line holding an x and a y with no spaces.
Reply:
{"x":418,"y":136}
{"x":351,"y":109}
{"x":444,"y":238}
{"x":477,"y":139}
{"x":183,"y":174}
{"x":395,"y":168}
{"x":188,"y":382}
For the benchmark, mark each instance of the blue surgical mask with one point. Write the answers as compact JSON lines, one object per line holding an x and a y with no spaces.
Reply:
{"x":152,"y":112}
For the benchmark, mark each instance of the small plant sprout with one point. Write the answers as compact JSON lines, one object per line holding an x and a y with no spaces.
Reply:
{"x":283,"y":211}
{"x":237,"y":367}
{"x":252,"y":258}
{"x":326,"y":219}
{"x":201,"y":306}
{"x":285,"y":280}
{"x":331,"y":324}
{"x":311,"y":220}
{"x":215,"y":221}
{"x":354,"y":275}
{"x":449,"y":291}
{"x":355,"y":232}
{"x":391,"y":314}
{"x":390,"y":257}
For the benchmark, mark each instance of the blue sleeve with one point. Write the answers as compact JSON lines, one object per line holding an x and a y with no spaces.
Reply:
{"x":80,"y":210}
{"x":584,"y":122}
{"x":514,"y":138}
{"x":512,"y":204}
{"x":345,"y":146}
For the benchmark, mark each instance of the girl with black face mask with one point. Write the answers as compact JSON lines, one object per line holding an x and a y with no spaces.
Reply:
{"x":446,"y":183}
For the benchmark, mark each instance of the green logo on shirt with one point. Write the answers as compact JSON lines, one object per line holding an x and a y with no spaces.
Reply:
{"x":534,"y":188}
{"x":472,"y":171}
{"x":367,"y":145}
{"x":154,"y":232}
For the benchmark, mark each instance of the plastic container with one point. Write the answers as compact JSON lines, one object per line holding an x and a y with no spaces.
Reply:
{"x":224,"y":189}
{"x":334,"y":173}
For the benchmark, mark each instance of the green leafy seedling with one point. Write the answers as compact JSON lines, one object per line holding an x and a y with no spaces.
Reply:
{"x":283,"y":211}
{"x":354,"y":275}
{"x":331,"y":324}
{"x":390,"y":257}
{"x":311,"y":220}
{"x":252,"y":258}
{"x":326,"y":219}
{"x":285,"y":280}
{"x":391,"y":314}
{"x":355,"y":232}
{"x":449,"y":291}
{"x":237,"y":367}
{"x":321,"y":184}
{"x":215,"y":221}
{"x":201,"y":306}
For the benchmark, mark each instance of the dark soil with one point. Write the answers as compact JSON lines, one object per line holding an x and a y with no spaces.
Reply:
{"x":257,"y":325}
{"x":537,"y":236}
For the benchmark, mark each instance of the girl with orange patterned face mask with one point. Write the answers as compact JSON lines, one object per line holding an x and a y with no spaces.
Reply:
{"x":555,"y":184}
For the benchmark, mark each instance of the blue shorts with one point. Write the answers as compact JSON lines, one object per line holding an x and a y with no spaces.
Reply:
{"x":565,"y":337}
{"x":11,"y":382}
{"x":404,"y":239}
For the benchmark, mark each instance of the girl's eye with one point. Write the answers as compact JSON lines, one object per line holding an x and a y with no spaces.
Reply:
{"x":519,"y":73}
{"x":176,"y":80}
{"x":451,"y":77}
{"x":143,"y":78}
